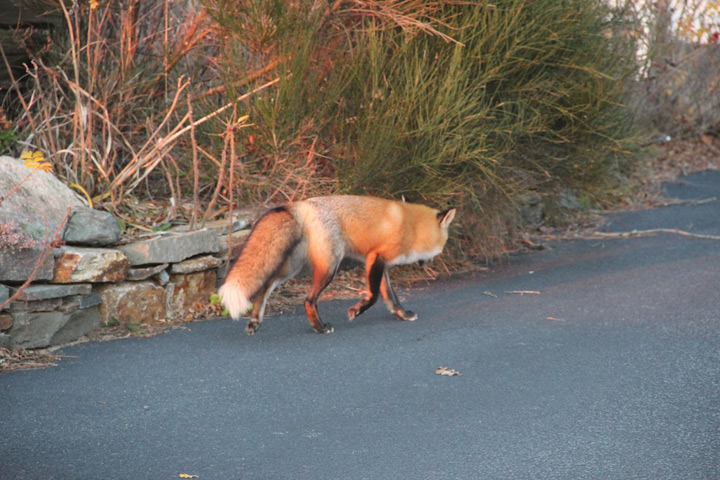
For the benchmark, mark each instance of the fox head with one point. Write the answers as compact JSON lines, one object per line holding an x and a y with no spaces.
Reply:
{"x":429,"y":235}
{"x":444,"y":218}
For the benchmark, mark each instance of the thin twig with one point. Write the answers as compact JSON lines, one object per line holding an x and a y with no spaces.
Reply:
{"x":693,"y":203}
{"x":219,"y":185}
{"x":231,"y":178}
{"x":14,"y":189}
{"x":44,"y":252}
{"x":651,"y":232}
{"x":196,"y":169}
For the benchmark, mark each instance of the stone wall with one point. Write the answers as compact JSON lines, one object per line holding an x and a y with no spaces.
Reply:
{"x":91,"y":280}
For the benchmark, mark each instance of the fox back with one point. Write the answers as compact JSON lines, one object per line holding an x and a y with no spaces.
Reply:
{"x":398,"y":232}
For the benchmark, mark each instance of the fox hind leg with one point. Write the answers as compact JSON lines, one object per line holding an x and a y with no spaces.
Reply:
{"x":321,"y":279}
{"x":258,"y":311}
{"x":290,"y":268}
{"x":392,"y":302}
{"x":256,"y":317}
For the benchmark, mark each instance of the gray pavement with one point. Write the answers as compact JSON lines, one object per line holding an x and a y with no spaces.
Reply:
{"x":611,"y":372}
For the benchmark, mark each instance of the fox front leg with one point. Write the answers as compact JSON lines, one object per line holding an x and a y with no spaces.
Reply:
{"x":375,"y":269}
{"x":392,"y":302}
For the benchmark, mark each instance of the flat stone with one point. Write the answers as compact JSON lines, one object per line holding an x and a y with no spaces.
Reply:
{"x":188,"y":290}
{"x":86,"y":301}
{"x":44,"y":292}
{"x":65,"y":304}
{"x":172,"y":248}
{"x":143,"y":273}
{"x":84,"y":264}
{"x":36,"y":210}
{"x":197,"y":264}
{"x":36,"y":305}
{"x":35,"y":329}
{"x":43,"y":329}
{"x":5,"y":340}
{"x":87,"y":226}
{"x":132,"y":302}
{"x":80,"y":323}
{"x":4,"y":293}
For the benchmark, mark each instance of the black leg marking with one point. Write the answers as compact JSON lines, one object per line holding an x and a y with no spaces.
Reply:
{"x":374,"y":278}
{"x":392,"y":302}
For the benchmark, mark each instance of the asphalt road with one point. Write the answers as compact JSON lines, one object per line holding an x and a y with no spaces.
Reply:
{"x":612,"y":371}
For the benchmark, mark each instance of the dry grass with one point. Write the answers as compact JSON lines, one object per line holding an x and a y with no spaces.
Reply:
{"x":13,"y":360}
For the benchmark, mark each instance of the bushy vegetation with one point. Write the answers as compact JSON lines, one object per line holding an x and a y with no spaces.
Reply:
{"x":475,"y":104}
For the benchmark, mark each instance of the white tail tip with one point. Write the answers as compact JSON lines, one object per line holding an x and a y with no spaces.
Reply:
{"x":234,"y":300}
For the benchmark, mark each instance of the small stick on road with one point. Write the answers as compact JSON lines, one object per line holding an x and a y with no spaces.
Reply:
{"x":653,"y":231}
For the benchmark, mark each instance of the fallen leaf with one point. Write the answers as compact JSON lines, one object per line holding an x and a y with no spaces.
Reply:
{"x":447,"y":372}
{"x":187,"y":475}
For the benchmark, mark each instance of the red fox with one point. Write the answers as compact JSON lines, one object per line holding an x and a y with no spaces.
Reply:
{"x":321,"y":232}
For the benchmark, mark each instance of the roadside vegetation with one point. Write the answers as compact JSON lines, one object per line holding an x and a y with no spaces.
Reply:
{"x":177,"y":112}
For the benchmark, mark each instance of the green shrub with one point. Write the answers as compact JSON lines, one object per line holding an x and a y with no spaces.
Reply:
{"x":526,"y":97}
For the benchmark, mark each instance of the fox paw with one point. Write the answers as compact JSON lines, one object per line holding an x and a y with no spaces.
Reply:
{"x":323,"y":328}
{"x":251,"y":328}
{"x":405,"y":315}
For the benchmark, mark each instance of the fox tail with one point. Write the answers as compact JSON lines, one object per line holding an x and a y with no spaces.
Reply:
{"x":261,"y":259}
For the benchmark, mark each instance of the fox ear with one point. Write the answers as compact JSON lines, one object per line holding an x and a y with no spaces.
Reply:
{"x":446,"y":216}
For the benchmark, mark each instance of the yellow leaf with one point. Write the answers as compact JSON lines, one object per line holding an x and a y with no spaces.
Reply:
{"x":186,"y":475}
{"x":32,"y":156}
{"x":36,"y":160}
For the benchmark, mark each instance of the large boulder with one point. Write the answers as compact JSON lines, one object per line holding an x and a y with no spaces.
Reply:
{"x":31,"y":213}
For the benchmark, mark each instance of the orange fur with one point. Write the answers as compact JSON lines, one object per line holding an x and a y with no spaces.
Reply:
{"x":322,"y":231}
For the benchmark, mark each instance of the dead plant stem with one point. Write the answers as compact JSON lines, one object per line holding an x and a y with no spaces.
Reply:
{"x":219,"y":184}
{"x":231,"y":178}
{"x":196,"y":169}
